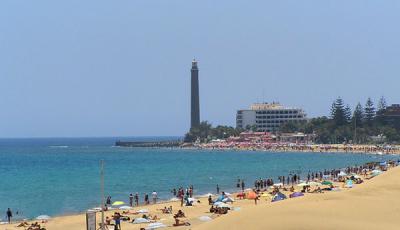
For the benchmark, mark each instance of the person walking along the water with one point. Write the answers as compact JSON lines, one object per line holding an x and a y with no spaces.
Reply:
{"x":154,"y":195}
{"x":131,"y":200}
{"x":9,"y":215}
{"x":137,"y":199}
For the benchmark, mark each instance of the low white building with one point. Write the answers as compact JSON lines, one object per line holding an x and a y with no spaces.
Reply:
{"x":268,"y":117}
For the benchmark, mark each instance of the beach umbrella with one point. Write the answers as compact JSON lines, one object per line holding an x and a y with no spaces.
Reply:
{"x":220,"y":198}
{"x":313,"y":183}
{"x":376,"y":171}
{"x":156,"y":225}
{"x":228,"y":199}
{"x":278,"y":197}
{"x":303,"y":184}
{"x":296,"y":194}
{"x":117,"y":203}
{"x":205,"y":218}
{"x":43,"y":217}
{"x":251,"y":195}
{"x":326,"y":182}
{"x":140,"y":221}
{"x":125,"y":208}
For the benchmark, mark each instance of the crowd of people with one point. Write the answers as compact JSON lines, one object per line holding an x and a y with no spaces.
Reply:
{"x":302,"y":147}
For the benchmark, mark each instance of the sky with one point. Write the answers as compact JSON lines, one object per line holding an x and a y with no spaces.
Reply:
{"x":122,"y":68}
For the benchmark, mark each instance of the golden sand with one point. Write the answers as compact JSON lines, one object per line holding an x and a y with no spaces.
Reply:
{"x":374,"y":204}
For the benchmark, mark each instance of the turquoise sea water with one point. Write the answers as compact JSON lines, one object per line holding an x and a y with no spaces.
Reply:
{"x":61,"y":176}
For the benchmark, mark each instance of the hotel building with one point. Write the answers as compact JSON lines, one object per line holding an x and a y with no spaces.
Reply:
{"x":268,"y":117}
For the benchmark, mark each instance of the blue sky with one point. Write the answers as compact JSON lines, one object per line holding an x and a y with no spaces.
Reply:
{"x":122,"y":68}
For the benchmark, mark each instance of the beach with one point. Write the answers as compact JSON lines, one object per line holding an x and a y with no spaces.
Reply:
{"x":373,"y":204}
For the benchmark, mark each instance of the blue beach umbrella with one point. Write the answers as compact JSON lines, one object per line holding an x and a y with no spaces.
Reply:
{"x":278,"y":197}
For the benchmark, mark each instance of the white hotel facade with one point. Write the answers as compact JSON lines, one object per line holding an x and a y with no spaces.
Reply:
{"x":268,"y":117}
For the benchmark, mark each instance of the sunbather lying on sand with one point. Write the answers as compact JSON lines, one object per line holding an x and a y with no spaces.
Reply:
{"x":150,"y":217}
{"x":23,"y":224}
{"x":317,"y":190}
{"x":35,"y":226}
{"x":165,"y":210}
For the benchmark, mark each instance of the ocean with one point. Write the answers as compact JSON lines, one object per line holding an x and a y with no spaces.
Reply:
{"x":61,"y":176}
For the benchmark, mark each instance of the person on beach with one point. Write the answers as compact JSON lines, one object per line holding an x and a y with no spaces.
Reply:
{"x":238,"y":183}
{"x":210,"y":201}
{"x":146,"y":199}
{"x":154,"y":195}
{"x":137,"y":199}
{"x":181,"y":197}
{"x":117,"y":219}
{"x":131,"y":200}
{"x":256,"y":198}
{"x":9,"y":215}
{"x":242,"y":185}
{"x":217,"y":189}
{"x":191,"y":191}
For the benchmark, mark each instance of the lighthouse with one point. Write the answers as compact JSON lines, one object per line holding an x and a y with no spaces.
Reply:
{"x":195,"y":100}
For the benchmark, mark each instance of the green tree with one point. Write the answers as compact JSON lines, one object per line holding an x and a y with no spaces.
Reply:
{"x":358,"y":115}
{"x":290,"y":127}
{"x":201,"y":132}
{"x":338,"y":112}
{"x":347,"y":113}
{"x":381,"y":105}
{"x":369,"y":112}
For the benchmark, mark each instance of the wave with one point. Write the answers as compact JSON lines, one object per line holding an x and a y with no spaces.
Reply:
{"x":58,"y":146}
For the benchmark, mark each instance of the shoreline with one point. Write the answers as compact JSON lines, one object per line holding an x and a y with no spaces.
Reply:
{"x":296,"y":149}
{"x":78,"y":219}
